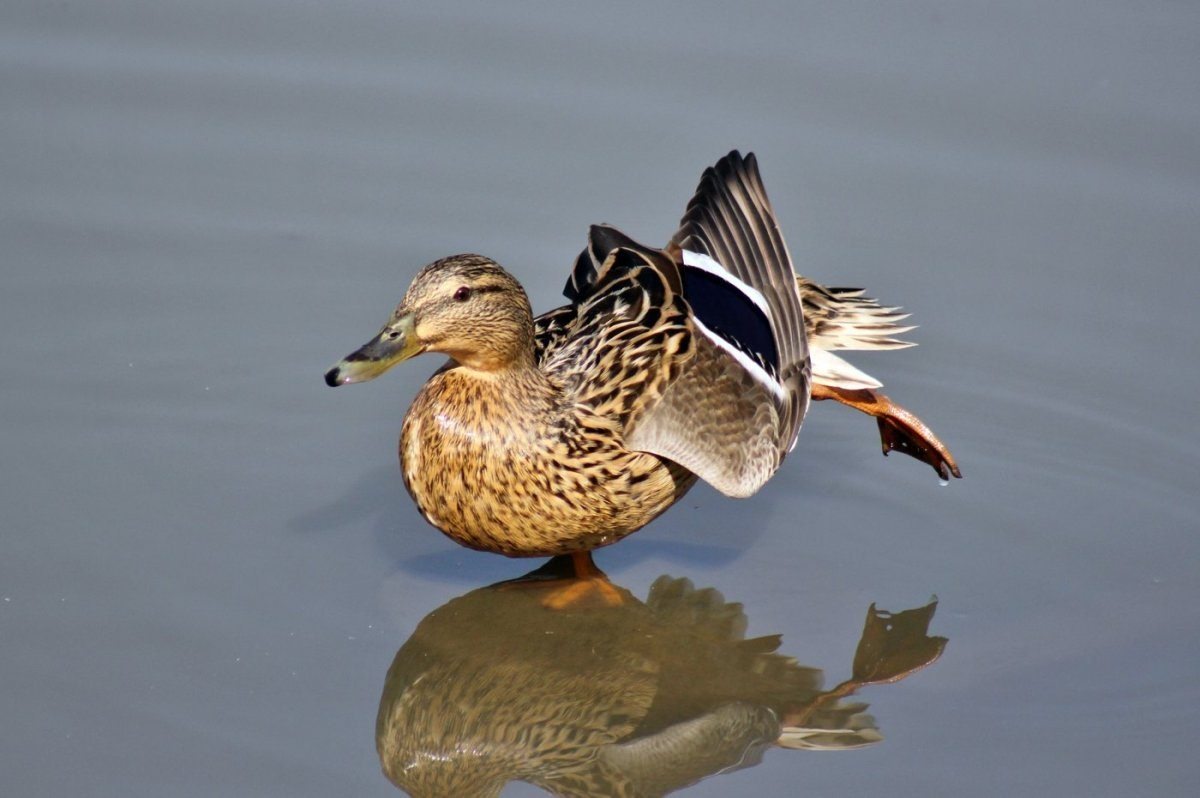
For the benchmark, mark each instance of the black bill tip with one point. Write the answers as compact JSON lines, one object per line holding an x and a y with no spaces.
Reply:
{"x":331,"y":377}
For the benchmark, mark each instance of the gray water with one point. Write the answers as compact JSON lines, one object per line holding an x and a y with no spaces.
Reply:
{"x":208,"y":561}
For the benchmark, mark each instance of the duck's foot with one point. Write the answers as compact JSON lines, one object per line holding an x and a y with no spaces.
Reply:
{"x":899,"y":429}
{"x":572,"y":582}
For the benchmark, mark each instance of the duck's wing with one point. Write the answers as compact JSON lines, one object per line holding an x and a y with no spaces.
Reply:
{"x":699,"y":350}
{"x":735,"y":408}
{"x":729,"y":229}
{"x":642,"y":353}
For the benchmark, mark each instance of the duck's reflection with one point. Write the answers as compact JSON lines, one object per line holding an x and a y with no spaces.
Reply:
{"x":641,"y":698}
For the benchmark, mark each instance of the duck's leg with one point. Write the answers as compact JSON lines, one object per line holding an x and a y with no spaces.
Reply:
{"x":899,"y":429}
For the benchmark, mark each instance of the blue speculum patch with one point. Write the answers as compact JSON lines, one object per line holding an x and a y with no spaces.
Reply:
{"x":723,"y":308}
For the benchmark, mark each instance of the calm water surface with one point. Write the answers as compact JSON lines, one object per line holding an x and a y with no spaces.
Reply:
{"x":209,"y":565}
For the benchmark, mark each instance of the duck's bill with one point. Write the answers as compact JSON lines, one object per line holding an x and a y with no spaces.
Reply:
{"x":395,"y":343}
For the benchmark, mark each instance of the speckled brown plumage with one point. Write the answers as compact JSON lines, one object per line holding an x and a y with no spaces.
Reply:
{"x":484,"y":460}
{"x":567,"y":432}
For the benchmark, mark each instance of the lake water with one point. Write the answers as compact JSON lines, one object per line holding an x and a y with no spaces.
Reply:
{"x":208,"y":561}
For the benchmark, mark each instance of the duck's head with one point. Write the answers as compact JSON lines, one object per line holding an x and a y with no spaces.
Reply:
{"x":464,"y":306}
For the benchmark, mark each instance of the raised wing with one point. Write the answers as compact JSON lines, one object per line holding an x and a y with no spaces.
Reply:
{"x":736,"y":407}
{"x":730,"y":221}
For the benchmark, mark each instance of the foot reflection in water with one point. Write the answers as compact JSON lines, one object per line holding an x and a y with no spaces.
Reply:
{"x":603,"y":697}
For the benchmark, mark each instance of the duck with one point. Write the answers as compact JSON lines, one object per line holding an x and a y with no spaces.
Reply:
{"x":565,"y":432}
{"x":642,"y":698}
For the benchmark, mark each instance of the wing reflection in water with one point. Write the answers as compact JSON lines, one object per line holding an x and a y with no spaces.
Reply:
{"x":638,"y":699}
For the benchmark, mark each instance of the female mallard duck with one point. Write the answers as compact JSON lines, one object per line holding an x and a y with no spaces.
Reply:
{"x":568,"y":432}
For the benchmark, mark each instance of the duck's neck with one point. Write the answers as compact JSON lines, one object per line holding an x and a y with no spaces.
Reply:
{"x":505,"y":348}
{"x":517,"y":377}
{"x":511,"y":400}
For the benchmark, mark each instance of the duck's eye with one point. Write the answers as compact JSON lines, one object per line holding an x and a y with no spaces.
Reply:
{"x":463,"y":293}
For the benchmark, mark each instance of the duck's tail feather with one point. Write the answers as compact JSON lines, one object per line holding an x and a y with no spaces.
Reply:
{"x":842,"y":318}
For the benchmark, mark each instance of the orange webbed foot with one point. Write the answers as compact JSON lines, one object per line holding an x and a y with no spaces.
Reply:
{"x":899,"y":429}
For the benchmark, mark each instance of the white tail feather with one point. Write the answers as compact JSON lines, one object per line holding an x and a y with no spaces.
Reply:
{"x":829,"y":369}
